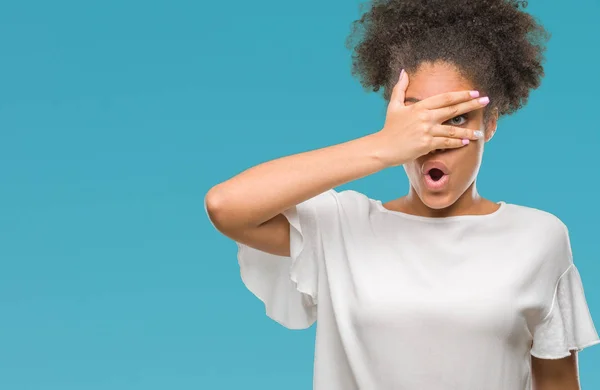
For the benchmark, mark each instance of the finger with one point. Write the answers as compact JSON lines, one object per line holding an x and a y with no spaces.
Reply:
{"x":456,"y":132}
{"x":448,"y":143}
{"x":447,"y":99}
{"x":399,"y":91}
{"x":445,"y":113}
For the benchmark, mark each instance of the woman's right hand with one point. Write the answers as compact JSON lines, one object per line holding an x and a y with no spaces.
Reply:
{"x":411,"y":131}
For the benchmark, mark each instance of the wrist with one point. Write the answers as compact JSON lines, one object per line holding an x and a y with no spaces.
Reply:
{"x":377,"y":148}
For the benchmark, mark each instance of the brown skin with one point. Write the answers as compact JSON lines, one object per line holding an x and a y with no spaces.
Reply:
{"x":248,"y":206}
{"x":461,"y":196}
{"x":559,"y":374}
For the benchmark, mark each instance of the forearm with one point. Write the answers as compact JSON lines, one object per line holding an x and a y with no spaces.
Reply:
{"x":263,"y":191}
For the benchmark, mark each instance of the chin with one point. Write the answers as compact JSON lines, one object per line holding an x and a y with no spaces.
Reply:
{"x":437,"y":200}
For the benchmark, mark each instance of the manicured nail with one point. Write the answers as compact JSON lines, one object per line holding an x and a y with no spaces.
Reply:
{"x":465,"y":141}
{"x":484,"y":100}
{"x":478,"y":133}
{"x":401,"y":74}
{"x":474,"y":94}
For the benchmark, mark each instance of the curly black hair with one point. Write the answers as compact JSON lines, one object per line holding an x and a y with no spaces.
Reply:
{"x":494,"y":43}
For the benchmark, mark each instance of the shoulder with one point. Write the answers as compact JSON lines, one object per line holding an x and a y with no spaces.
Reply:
{"x":534,"y":219}
{"x":333,"y":201}
{"x":349,"y":204}
{"x":355,"y":203}
{"x":545,"y":233}
{"x":349,"y":198}
{"x":353,"y":197}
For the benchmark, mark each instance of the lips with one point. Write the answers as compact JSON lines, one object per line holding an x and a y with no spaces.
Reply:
{"x":431,"y":165}
{"x":435,"y":175}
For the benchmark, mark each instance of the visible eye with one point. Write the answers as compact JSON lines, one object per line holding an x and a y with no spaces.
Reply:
{"x":457,"y":120}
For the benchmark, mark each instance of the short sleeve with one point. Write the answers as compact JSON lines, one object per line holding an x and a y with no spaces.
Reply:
{"x":569,"y":325}
{"x":288,"y":286}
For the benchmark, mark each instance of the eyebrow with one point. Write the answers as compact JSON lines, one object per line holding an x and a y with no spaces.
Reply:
{"x":411,"y":99}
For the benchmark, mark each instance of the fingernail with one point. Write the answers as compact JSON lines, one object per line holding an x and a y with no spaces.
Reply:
{"x":401,"y":74}
{"x":478,"y":133}
{"x":484,"y":100}
{"x":474,"y":94}
{"x":465,"y":141}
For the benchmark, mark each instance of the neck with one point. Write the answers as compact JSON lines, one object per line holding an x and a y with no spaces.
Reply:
{"x":469,"y":203}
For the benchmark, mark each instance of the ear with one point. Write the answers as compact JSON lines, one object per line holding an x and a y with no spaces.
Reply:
{"x":491,"y":125}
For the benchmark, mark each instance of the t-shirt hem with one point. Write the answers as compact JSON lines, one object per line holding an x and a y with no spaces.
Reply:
{"x":568,"y":353}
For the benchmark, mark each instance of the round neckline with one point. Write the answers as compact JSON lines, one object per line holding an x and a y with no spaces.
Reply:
{"x":477,"y":217}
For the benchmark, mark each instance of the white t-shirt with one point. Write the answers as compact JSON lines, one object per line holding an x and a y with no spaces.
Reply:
{"x":411,"y":302}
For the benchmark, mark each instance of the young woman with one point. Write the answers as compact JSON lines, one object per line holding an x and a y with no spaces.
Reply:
{"x":440,"y":288}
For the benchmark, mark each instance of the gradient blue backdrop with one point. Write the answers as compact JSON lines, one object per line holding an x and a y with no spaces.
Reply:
{"x":116,"y":117}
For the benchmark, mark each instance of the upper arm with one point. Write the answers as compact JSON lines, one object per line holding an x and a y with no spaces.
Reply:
{"x":272,"y":236}
{"x":280,"y":259}
{"x":555,"y":374}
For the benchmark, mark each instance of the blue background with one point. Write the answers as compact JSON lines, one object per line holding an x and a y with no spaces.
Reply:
{"x":116,"y":117}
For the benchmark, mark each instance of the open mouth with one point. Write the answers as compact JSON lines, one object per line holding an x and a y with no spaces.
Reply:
{"x":435,"y":174}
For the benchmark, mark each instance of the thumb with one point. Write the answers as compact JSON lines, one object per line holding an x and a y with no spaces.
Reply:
{"x":399,"y":91}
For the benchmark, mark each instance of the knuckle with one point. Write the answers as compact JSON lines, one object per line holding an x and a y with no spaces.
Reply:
{"x":426,"y":140}
{"x":448,"y":100}
{"x":447,"y":142}
{"x":423,"y":116}
{"x":452,"y":132}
